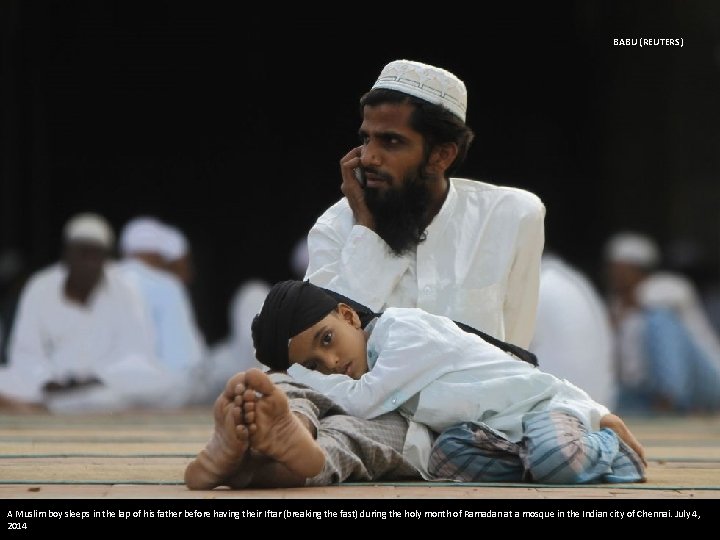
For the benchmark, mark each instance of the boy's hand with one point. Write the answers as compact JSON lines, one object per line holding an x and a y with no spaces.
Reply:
{"x":618,"y":426}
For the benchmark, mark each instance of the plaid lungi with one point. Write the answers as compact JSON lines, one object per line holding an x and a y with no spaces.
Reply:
{"x":556,"y":448}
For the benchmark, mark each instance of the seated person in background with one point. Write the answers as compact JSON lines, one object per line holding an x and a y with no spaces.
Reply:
{"x":573,"y":336}
{"x":501,"y":419}
{"x":236,"y":353}
{"x":668,"y":355}
{"x":179,"y":344}
{"x":80,"y":340}
{"x":177,"y":256}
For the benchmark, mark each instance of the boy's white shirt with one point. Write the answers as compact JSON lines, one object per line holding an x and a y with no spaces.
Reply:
{"x":459,"y":378}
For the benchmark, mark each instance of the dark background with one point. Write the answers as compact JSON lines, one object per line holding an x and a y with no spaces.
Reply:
{"x":230,"y":123}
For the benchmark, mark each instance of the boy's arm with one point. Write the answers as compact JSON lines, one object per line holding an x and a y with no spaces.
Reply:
{"x":618,"y":426}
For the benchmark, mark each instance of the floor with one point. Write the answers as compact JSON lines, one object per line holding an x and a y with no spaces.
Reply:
{"x":143,"y":456}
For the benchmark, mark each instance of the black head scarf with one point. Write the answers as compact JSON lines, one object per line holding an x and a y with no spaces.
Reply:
{"x":290,"y":307}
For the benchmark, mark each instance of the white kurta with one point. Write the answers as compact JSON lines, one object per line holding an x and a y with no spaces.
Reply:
{"x":479,"y":265}
{"x":439,"y":375}
{"x":573,"y":337}
{"x":179,"y":345}
{"x":55,"y":339}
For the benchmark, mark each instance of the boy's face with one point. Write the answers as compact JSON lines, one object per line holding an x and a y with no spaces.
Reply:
{"x":336,"y":344}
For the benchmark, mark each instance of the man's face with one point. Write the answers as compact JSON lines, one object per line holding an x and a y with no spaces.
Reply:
{"x":85,"y":261}
{"x":397,"y":189}
{"x":390,"y":147}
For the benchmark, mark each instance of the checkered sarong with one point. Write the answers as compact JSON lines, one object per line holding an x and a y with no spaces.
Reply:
{"x":555,"y":449}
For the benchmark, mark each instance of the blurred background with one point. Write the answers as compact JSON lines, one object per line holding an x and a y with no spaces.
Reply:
{"x":230,"y":123}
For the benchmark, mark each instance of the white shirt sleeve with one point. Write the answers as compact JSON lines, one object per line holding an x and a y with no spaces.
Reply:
{"x":407,"y":361}
{"x":356,"y":266}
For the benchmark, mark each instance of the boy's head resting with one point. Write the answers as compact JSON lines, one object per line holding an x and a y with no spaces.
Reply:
{"x":301,"y":323}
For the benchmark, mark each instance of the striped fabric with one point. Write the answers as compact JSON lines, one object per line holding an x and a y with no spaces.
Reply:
{"x":555,"y":449}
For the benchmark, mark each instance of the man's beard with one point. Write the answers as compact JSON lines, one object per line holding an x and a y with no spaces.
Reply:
{"x":400,"y":213}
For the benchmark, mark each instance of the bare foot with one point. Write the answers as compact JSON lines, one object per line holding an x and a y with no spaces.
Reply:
{"x":221,"y":462}
{"x":275,"y":431}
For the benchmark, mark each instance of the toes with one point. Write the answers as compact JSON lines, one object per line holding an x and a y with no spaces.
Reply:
{"x":258,"y":380}
{"x":242,"y":432}
{"x":233,"y":382}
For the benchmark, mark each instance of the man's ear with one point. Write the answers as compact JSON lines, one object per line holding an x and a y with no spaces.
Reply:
{"x":443,"y":155}
{"x":349,"y":314}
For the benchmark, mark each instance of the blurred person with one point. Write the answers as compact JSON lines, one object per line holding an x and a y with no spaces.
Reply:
{"x":179,"y":344}
{"x":236,"y":352}
{"x":573,"y":336}
{"x":177,"y":255}
{"x":667,"y":353}
{"x":81,"y":341}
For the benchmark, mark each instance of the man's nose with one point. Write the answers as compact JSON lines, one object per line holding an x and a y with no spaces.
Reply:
{"x":370,"y":155}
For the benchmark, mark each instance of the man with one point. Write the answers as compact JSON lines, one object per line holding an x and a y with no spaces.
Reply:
{"x":179,"y":345}
{"x":573,"y":337}
{"x":408,"y":235}
{"x":80,"y":341}
{"x":667,"y":352}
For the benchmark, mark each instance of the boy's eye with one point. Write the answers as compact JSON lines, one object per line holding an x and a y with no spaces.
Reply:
{"x":327,"y":339}
{"x":311,"y":365}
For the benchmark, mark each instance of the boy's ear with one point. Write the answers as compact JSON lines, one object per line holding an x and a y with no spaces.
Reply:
{"x":349,"y":314}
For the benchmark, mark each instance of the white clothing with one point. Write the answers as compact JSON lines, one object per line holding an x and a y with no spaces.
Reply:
{"x":55,"y":339}
{"x":179,"y":345}
{"x":237,"y":352}
{"x":573,"y":336}
{"x":439,"y":375}
{"x":677,"y":292}
{"x":479,"y":264}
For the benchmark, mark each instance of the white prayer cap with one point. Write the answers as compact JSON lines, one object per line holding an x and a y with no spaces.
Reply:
{"x":632,"y":248}
{"x":173,"y":244}
{"x":141,"y":235}
{"x":89,"y":227}
{"x":430,"y":83}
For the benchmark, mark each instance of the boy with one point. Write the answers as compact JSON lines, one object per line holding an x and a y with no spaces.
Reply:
{"x":501,"y":418}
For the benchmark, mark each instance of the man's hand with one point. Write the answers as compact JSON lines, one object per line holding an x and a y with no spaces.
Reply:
{"x":353,"y":191}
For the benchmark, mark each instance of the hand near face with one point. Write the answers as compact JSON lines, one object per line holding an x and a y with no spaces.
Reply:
{"x":353,"y":191}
